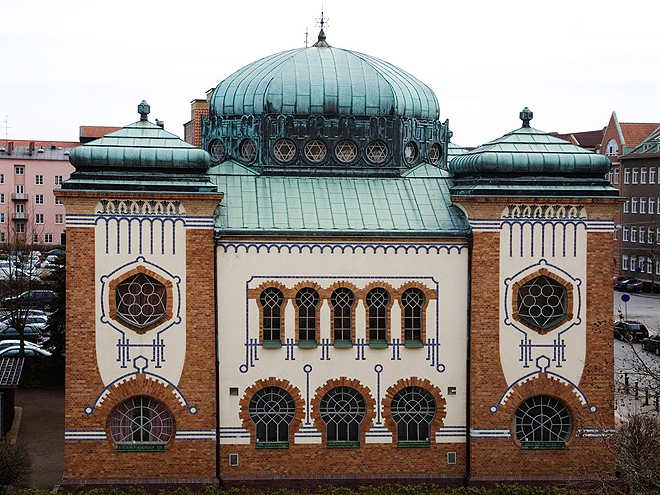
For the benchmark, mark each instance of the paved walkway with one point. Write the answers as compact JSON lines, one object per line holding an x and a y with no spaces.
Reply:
{"x":42,"y":432}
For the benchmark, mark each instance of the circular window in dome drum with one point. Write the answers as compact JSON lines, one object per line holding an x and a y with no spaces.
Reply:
{"x":284,"y":150}
{"x":542,"y":302}
{"x":410,"y":153}
{"x":315,"y":151}
{"x":217,"y":150}
{"x":542,"y":420}
{"x":435,"y":153}
{"x":346,"y":151}
{"x":141,"y":420}
{"x":141,"y":300}
{"x":248,"y":150}
{"x":376,"y":152}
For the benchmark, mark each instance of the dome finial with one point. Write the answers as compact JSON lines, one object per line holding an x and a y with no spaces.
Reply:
{"x":526,"y":115}
{"x":143,"y":110}
{"x":323,"y":21}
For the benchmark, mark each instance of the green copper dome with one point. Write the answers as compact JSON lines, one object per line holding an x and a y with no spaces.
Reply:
{"x":322,"y":80}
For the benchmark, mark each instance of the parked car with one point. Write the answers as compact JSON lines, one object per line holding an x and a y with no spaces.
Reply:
{"x":652,"y":344}
{"x":32,"y":334}
{"x":631,"y":331}
{"x":15,"y":350}
{"x":643,"y":286}
{"x":40,"y":322}
{"x":622,"y":283}
{"x":32,"y":298}
{"x":11,"y":343}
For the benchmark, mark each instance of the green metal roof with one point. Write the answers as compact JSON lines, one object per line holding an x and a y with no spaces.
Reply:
{"x":454,"y":150}
{"x":416,"y":204}
{"x":529,"y":151}
{"x":141,"y":156}
{"x":321,"y":80}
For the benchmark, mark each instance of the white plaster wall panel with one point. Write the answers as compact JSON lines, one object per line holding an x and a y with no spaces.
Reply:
{"x":560,"y":248}
{"x":376,"y":369}
{"x":163,"y":251}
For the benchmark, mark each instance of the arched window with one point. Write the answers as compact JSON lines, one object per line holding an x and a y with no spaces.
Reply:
{"x":271,"y":300}
{"x":413,"y":301}
{"x":413,"y":409}
{"x":307,"y":299}
{"x":342,"y":410}
{"x":612,"y":148}
{"x":542,"y":422}
{"x":141,"y":421}
{"x":378,"y":301}
{"x":272,"y":410}
{"x":342,"y":301}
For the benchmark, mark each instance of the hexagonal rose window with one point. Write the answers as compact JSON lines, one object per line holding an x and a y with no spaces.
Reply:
{"x":141,"y":300}
{"x":542,"y":302}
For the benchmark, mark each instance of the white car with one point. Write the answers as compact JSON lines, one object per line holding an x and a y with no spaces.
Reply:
{"x":39,"y":322}
{"x":15,"y":350}
{"x":13,"y":343}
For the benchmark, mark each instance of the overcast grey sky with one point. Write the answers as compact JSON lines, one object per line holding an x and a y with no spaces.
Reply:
{"x":72,"y":63}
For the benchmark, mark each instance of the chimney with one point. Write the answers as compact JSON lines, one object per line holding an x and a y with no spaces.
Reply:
{"x":10,"y":147}
{"x":31,"y":148}
{"x":160,"y":123}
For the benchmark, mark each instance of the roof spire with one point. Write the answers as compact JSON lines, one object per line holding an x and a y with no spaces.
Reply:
{"x":526,"y":115}
{"x":143,"y":110}
{"x":323,"y":21}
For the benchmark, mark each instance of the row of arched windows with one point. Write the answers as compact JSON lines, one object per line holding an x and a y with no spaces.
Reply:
{"x":378,"y":302}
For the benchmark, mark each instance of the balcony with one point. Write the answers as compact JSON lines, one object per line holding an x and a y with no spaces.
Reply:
{"x":19,"y":216}
{"x":19,"y":197}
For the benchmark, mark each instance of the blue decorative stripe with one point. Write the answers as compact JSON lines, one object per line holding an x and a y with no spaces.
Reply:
{"x":84,"y":435}
{"x":595,"y":432}
{"x":452,"y":431}
{"x":195,"y":435}
{"x":78,"y":220}
{"x":341,"y":247}
{"x":490,"y":433}
{"x":496,"y":224}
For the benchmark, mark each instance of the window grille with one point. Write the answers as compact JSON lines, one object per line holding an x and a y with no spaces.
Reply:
{"x":413,"y":304}
{"x":410,"y":153}
{"x":141,"y":420}
{"x":307,"y":300}
{"x":284,"y":150}
{"x":435,"y":153}
{"x":271,"y":300}
{"x":542,"y":302}
{"x":376,"y":152}
{"x":217,"y":150}
{"x":346,"y":151}
{"x":542,"y":419}
{"x":342,"y":410}
{"x":315,"y":151}
{"x":141,"y":300}
{"x":342,"y":301}
{"x":413,"y":409}
{"x":272,"y":410}
{"x":378,"y":300}
{"x":248,"y":150}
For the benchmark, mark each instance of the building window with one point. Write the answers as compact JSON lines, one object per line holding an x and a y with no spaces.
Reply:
{"x":657,"y":267}
{"x":435,"y":153}
{"x":2,"y":178}
{"x":633,"y":263}
{"x":642,"y":205}
{"x":315,"y":151}
{"x":624,"y":262}
{"x":615,"y":235}
{"x":20,"y":189}
{"x":626,"y":206}
{"x":634,"y":205}
{"x":272,"y":410}
{"x":217,"y":150}
{"x":657,"y":235}
{"x":626,"y":176}
{"x":19,"y":170}
{"x":413,"y":409}
{"x":20,"y":227}
{"x":2,"y":218}
{"x":410,"y":152}
{"x":612,"y":148}
{"x":616,"y":175}
{"x":39,"y":180}
{"x":35,"y":238}
{"x":642,"y":178}
{"x":342,"y":301}
{"x":248,"y":150}
{"x":376,"y":152}
{"x":57,"y":201}
{"x":307,"y":300}
{"x":284,"y":150}
{"x":649,"y":235}
{"x":635,"y":176}
{"x":342,"y":410}
{"x":378,"y":301}
{"x":48,"y":238}
{"x":641,"y":264}
{"x":626,"y":230}
{"x":2,"y":237}
{"x":542,"y":420}
{"x":651,"y":206}
{"x":58,"y":180}
{"x":642,"y":234}
{"x":140,"y":300}
{"x":39,"y":218}
{"x":39,"y":199}
{"x":652,"y":175}
{"x":649,"y":266}
{"x":542,"y":302}
{"x":413,"y":301}
{"x":141,"y":420}
{"x":271,"y":300}
{"x":59,"y":218}
{"x":346,"y":151}
{"x":633,"y":234}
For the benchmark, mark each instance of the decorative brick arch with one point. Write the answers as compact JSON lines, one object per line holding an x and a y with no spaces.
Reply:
{"x":329,"y":291}
{"x":556,"y":278}
{"x":256,"y":295}
{"x":440,"y":404}
{"x":307,"y":284}
{"x":429,"y":294}
{"x":370,"y":404}
{"x":543,"y":384}
{"x":244,"y":405}
{"x":142,"y":385}
{"x":362,"y":294}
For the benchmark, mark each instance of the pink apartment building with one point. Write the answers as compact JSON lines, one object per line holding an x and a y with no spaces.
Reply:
{"x":29,"y":172}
